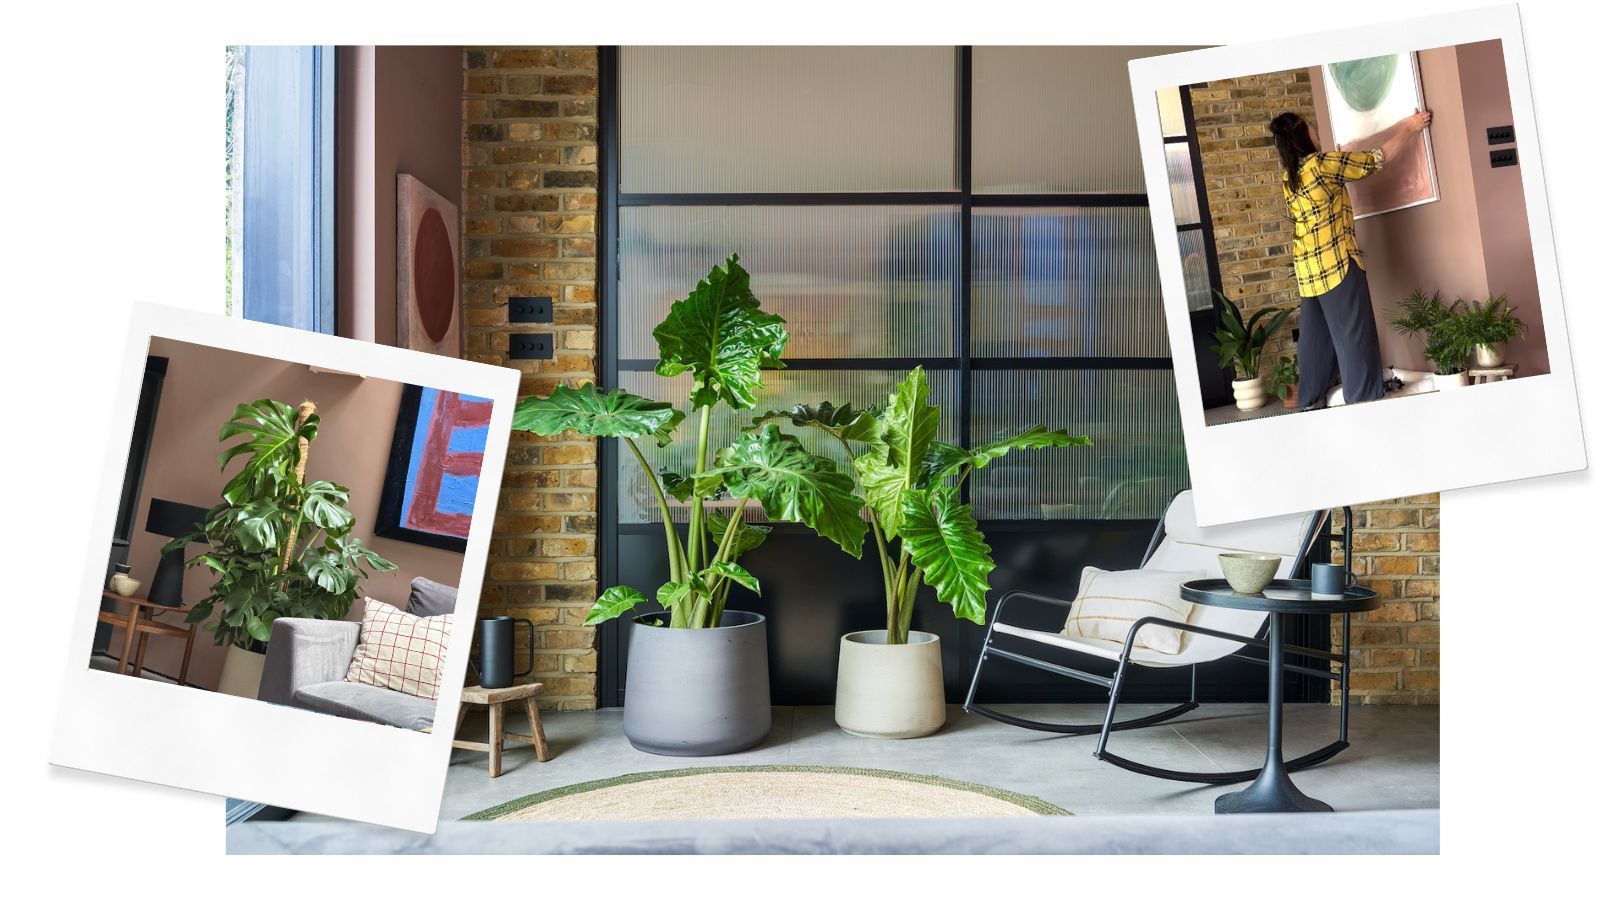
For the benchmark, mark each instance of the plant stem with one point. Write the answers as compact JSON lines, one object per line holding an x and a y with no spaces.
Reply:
{"x":877,"y":536}
{"x":697,"y":511}
{"x":674,"y":548}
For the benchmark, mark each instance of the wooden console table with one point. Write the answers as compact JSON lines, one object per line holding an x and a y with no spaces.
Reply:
{"x":140,"y":620}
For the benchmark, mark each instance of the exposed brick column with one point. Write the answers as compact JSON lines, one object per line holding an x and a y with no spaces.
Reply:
{"x":528,"y":216}
{"x":1394,"y":649}
{"x":1242,"y":176}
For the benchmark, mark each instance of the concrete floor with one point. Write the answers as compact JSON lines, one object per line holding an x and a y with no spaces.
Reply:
{"x":1392,"y":763}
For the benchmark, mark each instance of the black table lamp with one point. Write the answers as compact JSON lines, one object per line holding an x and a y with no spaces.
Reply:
{"x":171,"y":520}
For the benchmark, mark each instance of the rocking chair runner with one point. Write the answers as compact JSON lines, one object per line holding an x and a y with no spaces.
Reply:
{"x":1179,"y":543}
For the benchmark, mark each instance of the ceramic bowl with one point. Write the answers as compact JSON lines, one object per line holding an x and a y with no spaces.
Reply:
{"x":1248,"y":573}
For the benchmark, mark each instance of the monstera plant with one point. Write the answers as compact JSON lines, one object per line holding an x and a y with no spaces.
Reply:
{"x":721,"y":338}
{"x":278,"y":546}
{"x":890,"y":681}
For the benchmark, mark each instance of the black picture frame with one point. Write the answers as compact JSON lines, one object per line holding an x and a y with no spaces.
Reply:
{"x":392,"y":501}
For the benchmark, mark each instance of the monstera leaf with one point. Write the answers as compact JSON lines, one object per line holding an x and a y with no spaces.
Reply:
{"x":843,"y":422}
{"x":720,"y":335}
{"x":273,"y":442}
{"x":890,"y":470}
{"x":793,"y":485}
{"x":945,"y":543}
{"x":612,"y":603}
{"x":591,"y":411}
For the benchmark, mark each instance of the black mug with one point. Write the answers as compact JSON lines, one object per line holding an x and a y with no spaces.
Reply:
{"x":497,"y":651}
{"x":1328,"y":581}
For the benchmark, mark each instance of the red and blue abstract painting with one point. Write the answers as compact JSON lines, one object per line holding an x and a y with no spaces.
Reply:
{"x":434,"y":463}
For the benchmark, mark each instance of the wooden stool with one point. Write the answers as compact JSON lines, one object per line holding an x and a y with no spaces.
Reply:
{"x":1487,"y":374}
{"x":496,"y":699}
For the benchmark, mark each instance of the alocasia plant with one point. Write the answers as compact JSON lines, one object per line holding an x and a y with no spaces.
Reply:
{"x":720,"y":336}
{"x":911,"y":484}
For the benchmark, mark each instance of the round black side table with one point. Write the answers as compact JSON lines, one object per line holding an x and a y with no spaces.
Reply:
{"x":1272,"y":791}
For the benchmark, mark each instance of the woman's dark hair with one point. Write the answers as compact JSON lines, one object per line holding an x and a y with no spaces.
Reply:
{"x":1292,"y":136}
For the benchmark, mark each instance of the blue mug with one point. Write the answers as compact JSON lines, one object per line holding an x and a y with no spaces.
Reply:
{"x":1328,"y":581}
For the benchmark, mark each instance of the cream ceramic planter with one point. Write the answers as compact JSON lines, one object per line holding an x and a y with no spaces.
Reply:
{"x":1489,"y":356}
{"x":889,"y":690}
{"x":241,"y":673}
{"x":1250,"y":393}
{"x":1450,"y":382}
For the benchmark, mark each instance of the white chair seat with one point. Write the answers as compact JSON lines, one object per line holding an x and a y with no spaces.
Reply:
{"x":1193,"y":651}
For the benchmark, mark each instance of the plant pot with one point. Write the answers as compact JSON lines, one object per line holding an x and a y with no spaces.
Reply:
{"x":889,"y":690}
{"x":241,"y":672}
{"x":697,"y":691}
{"x":1489,"y":356}
{"x":1450,"y":382}
{"x":1291,"y":397}
{"x":1250,"y":393}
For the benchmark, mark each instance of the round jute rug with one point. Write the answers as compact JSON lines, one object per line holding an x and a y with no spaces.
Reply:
{"x":768,"y":792}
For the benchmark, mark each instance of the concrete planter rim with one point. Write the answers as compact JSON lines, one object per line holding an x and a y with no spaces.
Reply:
{"x":913,"y":638}
{"x":753,"y":620}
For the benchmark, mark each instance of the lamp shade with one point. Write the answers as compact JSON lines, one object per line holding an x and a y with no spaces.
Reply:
{"x":173,"y":519}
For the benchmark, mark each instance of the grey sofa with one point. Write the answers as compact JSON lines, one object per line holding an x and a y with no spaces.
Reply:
{"x":307,"y":660}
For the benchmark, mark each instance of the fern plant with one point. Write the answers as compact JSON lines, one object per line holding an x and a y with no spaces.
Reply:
{"x":1446,"y":340}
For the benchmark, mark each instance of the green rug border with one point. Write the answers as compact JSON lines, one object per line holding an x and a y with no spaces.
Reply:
{"x":1026,"y":801}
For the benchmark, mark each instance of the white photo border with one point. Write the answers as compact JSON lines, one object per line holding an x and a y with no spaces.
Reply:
{"x":1520,"y":428}
{"x":204,"y":741}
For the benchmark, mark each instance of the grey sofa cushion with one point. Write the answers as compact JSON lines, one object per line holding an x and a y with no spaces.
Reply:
{"x":430,"y":598}
{"x":368,"y":703}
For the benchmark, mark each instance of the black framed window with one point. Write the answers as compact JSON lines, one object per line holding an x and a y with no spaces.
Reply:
{"x":1190,"y":209}
{"x":949,"y":207}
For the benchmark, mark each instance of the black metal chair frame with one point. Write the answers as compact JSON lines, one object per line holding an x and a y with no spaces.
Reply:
{"x":1114,"y":683}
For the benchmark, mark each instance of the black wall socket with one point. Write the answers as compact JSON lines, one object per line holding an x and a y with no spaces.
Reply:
{"x":1502,"y":134}
{"x":1498,"y":158}
{"x":532,"y":346}
{"x":536,"y":310}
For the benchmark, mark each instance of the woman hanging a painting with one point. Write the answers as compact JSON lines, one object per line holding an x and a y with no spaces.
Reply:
{"x":1338,"y":331}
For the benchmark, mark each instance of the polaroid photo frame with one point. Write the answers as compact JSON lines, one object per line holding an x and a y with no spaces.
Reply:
{"x":1396,"y":447}
{"x":246,"y":748}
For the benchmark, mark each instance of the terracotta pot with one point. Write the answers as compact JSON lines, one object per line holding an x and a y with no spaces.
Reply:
{"x":889,"y":690}
{"x":241,"y":672}
{"x":1250,"y":393}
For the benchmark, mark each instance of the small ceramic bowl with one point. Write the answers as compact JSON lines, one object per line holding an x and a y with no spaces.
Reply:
{"x":1248,"y":573}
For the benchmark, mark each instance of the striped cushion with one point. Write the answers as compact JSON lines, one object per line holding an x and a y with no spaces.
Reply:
{"x":400,"y":651}
{"x":1110,"y":602}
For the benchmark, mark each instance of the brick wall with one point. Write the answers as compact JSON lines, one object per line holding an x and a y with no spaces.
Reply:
{"x":528,"y":215}
{"x":1394,"y":649}
{"x":1253,"y":233}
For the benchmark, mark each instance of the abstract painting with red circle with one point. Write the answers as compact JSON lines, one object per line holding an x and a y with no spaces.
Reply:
{"x":427,"y":276}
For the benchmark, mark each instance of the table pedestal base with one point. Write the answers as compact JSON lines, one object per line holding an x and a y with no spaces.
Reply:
{"x":1271,"y":792}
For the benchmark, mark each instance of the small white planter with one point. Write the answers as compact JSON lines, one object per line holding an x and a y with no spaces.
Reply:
{"x":889,"y":690}
{"x":241,"y":673}
{"x":1251,"y":393}
{"x":1450,"y":382}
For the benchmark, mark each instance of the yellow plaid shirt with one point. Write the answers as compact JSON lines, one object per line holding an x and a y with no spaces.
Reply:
{"x":1324,"y":225}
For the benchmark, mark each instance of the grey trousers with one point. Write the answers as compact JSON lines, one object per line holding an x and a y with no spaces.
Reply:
{"x":1339,"y":336}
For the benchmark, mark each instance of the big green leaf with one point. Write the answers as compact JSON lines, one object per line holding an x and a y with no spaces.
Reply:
{"x":612,"y":603}
{"x":945,"y":543}
{"x":272,"y":443}
{"x":720,"y":335}
{"x":1034,"y":438}
{"x":737,"y":574}
{"x":748,"y":538}
{"x":910,"y":423}
{"x":591,"y":411}
{"x":844,"y":422}
{"x":793,"y":484}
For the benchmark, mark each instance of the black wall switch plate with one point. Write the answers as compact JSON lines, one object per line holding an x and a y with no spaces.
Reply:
{"x":536,"y":310}
{"x":1502,"y":134}
{"x":1498,"y":158}
{"x":533,"y":346}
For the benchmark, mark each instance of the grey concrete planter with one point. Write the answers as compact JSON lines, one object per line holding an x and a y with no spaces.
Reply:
{"x":698,"y":691}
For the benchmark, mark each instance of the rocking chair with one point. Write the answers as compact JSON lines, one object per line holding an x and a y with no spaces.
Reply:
{"x":1214,"y":633}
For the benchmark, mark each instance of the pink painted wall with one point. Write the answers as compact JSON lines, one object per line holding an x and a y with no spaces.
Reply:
{"x":400,"y":113}
{"x":202,"y":387}
{"x":1473,"y":241}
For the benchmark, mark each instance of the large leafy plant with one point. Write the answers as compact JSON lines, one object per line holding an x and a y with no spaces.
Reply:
{"x":1491,"y":321}
{"x":1239,"y":340}
{"x":719,"y":336}
{"x":278,"y":546}
{"x":1446,"y":339}
{"x":911,"y":484}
